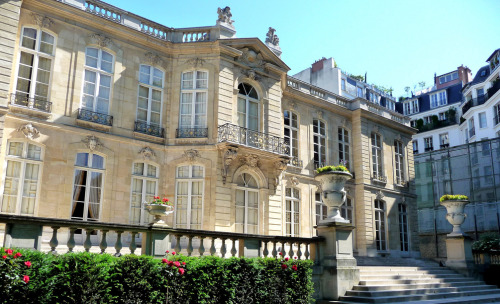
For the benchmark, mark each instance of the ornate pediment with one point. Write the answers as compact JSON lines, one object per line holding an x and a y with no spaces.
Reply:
{"x":147,"y":153}
{"x":191,"y":155}
{"x":42,"y":21}
{"x":251,"y":58}
{"x":29,"y":131}
{"x":101,"y":40}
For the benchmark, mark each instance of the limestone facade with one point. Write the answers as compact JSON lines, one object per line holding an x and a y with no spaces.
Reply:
{"x":231,"y":169}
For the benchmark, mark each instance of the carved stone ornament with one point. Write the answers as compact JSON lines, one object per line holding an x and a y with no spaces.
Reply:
{"x":252,"y":58}
{"x":271,"y":37}
{"x":195,"y":62}
{"x":191,"y":155}
{"x":320,"y":114}
{"x":228,"y":155}
{"x":29,"y":131}
{"x":294,"y":181}
{"x":224,"y":15}
{"x":251,"y":160}
{"x":92,"y":143}
{"x":42,"y":21}
{"x":147,"y":153}
{"x":380,"y":195}
{"x":280,"y":166}
{"x":376,"y":129}
{"x":398,"y":137}
{"x":153,"y":59}
{"x":251,"y":74}
{"x":101,"y":40}
{"x":293,"y":105}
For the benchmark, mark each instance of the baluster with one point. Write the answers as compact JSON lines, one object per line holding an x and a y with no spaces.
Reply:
{"x":118,"y":244}
{"x":190,"y":245}
{"x":103,"y":245}
{"x":177,"y":247}
{"x":212,"y":247}
{"x":306,"y":254}
{"x":283,"y":249}
{"x":290,"y":252}
{"x":133,"y":245}
{"x":265,"y":252}
{"x":87,"y":244}
{"x":71,"y":241}
{"x":223,"y":247}
{"x":233,"y":250}
{"x":299,"y":252}
{"x":274,"y":252}
{"x":201,"y":249}
{"x":53,"y":241}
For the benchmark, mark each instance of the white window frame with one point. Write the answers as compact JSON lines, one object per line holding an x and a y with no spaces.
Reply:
{"x":293,"y":142}
{"x":415,"y":145}
{"x":99,"y":72}
{"x":444,"y":139}
{"x":23,"y":160}
{"x":377,"y":155}
{"x":318,"y":147}
{"x":195,"y":91}
{"x":496,"y":114}
{"x":342,"y":84}
{"x":481,"y":126}
{"x":399,"y":162}
{"x":348,"y":208}
{"x":438,"y":99}
{"x":380,"y":225}
{"x":359,"y":92}
{"x":145,"y":178}
{"x":321,"y":207}
{"x":428,"y":143}
{"x":190,"y":180}
{"x":344,"y":145}
{"x":246,"y":190}
{"x":150,"y":86}
{"x":292,"y":199}
{"x":249,"y":100}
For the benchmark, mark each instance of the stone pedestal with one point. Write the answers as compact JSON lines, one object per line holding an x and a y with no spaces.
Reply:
{"x":459,"y":254}
{"x":23,"y":236}
{"x":155,"y":243}
{"x":340,"y":272}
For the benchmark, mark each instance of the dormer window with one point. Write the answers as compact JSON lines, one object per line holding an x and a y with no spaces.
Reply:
{"x":448,"y":78}
{"x":410,"y":107}
{"x":438,"y":99}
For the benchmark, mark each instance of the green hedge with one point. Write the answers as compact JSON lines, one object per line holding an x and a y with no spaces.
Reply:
{"x":94,"y":278}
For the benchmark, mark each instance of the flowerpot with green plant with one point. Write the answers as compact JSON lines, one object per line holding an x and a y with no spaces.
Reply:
{"x":332,"y":180}
{"x":158,"y":208}
{"x":455,"y":206}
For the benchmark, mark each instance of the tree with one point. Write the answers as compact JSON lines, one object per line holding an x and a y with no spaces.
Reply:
{"x":407,"y":90}
{"x":421,"y":84}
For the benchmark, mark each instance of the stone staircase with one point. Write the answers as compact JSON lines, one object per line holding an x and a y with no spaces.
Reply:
{"x":415,"y":281}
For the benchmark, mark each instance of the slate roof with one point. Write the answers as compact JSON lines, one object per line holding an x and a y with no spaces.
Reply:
{"x":478,"y":78}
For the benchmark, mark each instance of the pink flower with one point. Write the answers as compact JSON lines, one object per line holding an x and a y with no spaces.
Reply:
{"x":183,"y":263}
{"x":170,"y":263}
{"x":181,"y":271}
{"x":164,"y":261}
{"x":18,"y":255}
{"x":177,"y":264}
{"x":167,"y":251}
{"x":26,"y":279}
{"x":8,"y":251}
{"x":173,"y":252}
{"x":294,"y":267}
{"x":28,"y":264}
{"x":284,"y":266}
{"x":286,"y":259}
{"x":4,"y":257}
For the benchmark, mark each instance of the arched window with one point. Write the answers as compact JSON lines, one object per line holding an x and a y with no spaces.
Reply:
{"x":144,"y":188}
{"x":377,"y":171}
{"x":87,"y":187}
{"x":149,"y":100}
{"x":344,"y":146}
{"x":248,"y":107}
{"x":35,"y":67}
{"x":319,"y":140}
{"x":291,"y":133}
{"x":193,"y":108}
{"x":98,"y":78}
{"x":189,"y":196}
{"x":247,"y":205}
{"x":292,"y":218}
{"x":24,"y":162}
{"x":380,"y":227}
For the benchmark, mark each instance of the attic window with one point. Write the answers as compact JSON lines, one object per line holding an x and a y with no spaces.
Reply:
{"x":483,"y":73}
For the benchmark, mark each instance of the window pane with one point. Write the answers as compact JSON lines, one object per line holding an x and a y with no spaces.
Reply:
{"x":29,"y":38}
{"x":34,"y":152}
{"x":82,"y":159}
{"x":138,"y":169}
{"x":15,"y":148}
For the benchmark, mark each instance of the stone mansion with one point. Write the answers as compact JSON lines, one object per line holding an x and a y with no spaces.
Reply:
{"x":102,"y":109}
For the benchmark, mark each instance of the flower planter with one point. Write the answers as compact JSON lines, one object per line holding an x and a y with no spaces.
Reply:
{"x":455,"y":215}
{"x":333,"y":194}
{"x":158,"y":211}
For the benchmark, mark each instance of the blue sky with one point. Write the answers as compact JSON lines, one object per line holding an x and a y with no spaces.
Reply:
{"x":397,"y":42}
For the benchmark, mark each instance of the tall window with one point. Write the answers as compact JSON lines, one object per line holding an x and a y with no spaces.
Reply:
{"x":194,"y":96}
{"x":319,"y":140}
{"x":444,"y":140}
{"x":35,"y":64}
{"x":428,"y":144}
{"x":377,"y":171}
{"x":144,"y":188}
{"x":380,"y":229}
{"x":321,"y":209}
{"x":292,"y":202}
{"x":415,"y":146}
{"x":342,"y":82}
{"x":359,"y":91}
{"x":97,"y":80}
{"x":399,"y":162}
{"x":247,"y":205}
{"x":438,"y":99}
{"x":410,"y":107}
{"x":344,"y":146}
{"x":291,"y":133}
{"x":149,"y":100}
{"x":472,"y":129}
{"x":403,"y":227}
{"x":24,"y":161}
{"x":248,"y":107}
{"x":347,"y":210}
{"x":496,"y":114}
{"x":87,"y":187}
{"x":189,"y":196}
{"x":482,"y":120}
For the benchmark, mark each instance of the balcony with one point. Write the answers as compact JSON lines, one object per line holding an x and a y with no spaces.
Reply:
{"x":379,"y":178}
{"x":427,"y":149}
{"x":444,"y":146}
{"x":149,"y":129}
{"x":94,"y":120}
{"x":401,"y":182}
{"x":32,"y":106}
{"x":415,"y":151}
{"x":437,"y":124}
{"x":191,"y":133}
{"x":482,"y":98}
{"x":229,"y":133}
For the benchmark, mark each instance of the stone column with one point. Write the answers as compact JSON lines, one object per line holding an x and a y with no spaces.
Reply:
{"x":459,"y":254}
{"x":339,"y":268}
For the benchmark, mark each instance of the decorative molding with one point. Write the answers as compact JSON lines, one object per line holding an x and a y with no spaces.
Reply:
{"x":153,"y":59}
{"x":376,"y":129}
{"x":224,"y":15}
{"x":191,"y":155}
{"x":251,"y":160}
{"x":380,"y":195}
{"x":272,"y":38}
{"x":92,"y":143}
{"x":319,"y":113}
{"x":147,"y":153}
{"x":42,"y":21}
{"x":29,"y":131}
{"x":228,"y":155}
{"x":294,"y":180}
{"x":101,"y":40}
{"x":252,"y":75}
{"x":280,"y":166}
{"x":195,"y":62}
{"x":398,"y":137}
{"x":252,"y":58}
{"x":293,"y":105}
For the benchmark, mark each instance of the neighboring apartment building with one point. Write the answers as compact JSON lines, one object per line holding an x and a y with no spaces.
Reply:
{"x":106,"y":109}
{"x":435,"y":111}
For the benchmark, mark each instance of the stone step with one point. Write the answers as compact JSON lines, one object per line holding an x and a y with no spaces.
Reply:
{"x":416,"y":291}
{"x":401,"y":272}
{"x":399,"y":268}
{"x":417,"y":297}
{"x":413,"y":281}
{"x":415,"y":286}
{"x":409,"y":276}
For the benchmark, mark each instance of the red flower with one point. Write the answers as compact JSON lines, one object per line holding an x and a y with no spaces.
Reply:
{"x":294,"y":258}
{"x":177,"y":264}
{"x":286,"y":259}
{"x":167,"y":251}
{"x":181,"y":270}
{"x":165,"y":199}
{"x":17,"y":255}
{"x":183,"y":263}
{"x":173,"y":252}
{"x":28,"y":264}
{"x":164,"y":261}
{"x":294,"y":267}
{"x":170,"y":263}
{"x":4,"y":257}
{"x":280,"y":253}
{"x":8,"y":251}
{"x":26,"y":279}
{"x":284,"y":266}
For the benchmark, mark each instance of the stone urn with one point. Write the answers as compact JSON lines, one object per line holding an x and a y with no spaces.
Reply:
{"x":158,"y":211}
{"x":333,"y":193}
{"x":455,"y":215}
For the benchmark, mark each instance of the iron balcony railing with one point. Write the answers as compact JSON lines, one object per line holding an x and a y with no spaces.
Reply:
{"x":296,"y":162}
{"x":401,"y":182}
{"x":427,"y":149}
{"x":191,"y":133}
{"x":95,"y":117}
{"x":380,"y":178}
{"x":149,"y":129}
{"x":481,"y":99}
{"x":443,"y":146}
{"x":24,"y":100}
{"x":318,"y":164}
{"x":250,"y":138}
